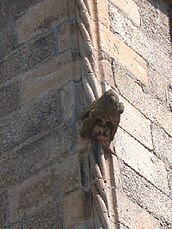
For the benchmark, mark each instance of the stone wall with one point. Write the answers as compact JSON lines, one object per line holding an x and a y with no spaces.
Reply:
{"x":140,"y":56}
{"x":41,"y":99}
{"x":40,"y":102}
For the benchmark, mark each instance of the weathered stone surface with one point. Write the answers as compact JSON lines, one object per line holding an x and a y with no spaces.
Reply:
{"x":37,"y":118}
{"x":51,"y":75}
{"x":85,"y":225}
{"x":162,"y":143}
{"x":116,"y":170}
{"x":169,"y":96}
{"x":155,"y":21}
{"x":3,"y":209}
{"x":7,"y":39}
{"x":71,"y":8}
{"x":145,"y":103}
{"x":157,"y":85}
{"x":48,"y":217}
{"x":36,"y":155}
{"x":133,"y":216}
{"x":66,"y":175}
{"x":27,"y":198}
{"x":80,"y":213}
{"x":35,"y":191}
{"x":146,"y":47}
{"x":38,"y":191}
{"x":102,"y":11}
{"x":68,"y":36}
{"x":146,"y":195}
{"x":122,"y":226}
{"x":130,"y":8}
{"x":141,"y":160}
{"x":67,"y":97}
{"x":117,"y":49}
{"x":136,"y":124}
{"x":40,"y":17}
{"x":79,"y":98}
{"x":98,"y":12}
{"x":10,"y":8}
{"x":169,"y":171}
{"x":27,"y":56}
{"x":107,"y":71}
{"x":9,"y":99}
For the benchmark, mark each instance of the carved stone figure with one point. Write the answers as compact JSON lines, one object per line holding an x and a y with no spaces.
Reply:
{"x":100,"y":120}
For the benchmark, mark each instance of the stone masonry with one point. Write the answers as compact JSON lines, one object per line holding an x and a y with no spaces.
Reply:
{"x":44,"y":172}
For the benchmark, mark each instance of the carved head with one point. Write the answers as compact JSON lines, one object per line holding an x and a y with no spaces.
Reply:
{"x":108,"y":106}
{"x":101,"y":120}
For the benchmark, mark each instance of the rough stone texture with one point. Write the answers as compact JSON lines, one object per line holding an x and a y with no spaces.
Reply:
{"x":141,"y":160}
{"x":146,"y":195}
{"x":21,"y":163}
{"x":9,"y":8}
{"x":102,"y":11}
{"x":133,"y":216}
{"x":27,"y":56}
{"x":68,"y":36}
{"x":130,"y":8}
{"x":136,"y":124}
{"x":67,"y":174}
{"x":51,"y":75}
{"x":79,"y":213}
{"x":9,"y":99}
{"x":155,"y":22}
{"x":38,"y":131}
{"x":122,"y":226}
{"x":3,"y":208}
{"x":36,"y":192}
{"x":79,"y":98}
{"x":169,"y":96}
{"x":7,"y":39}
{"x":48,"y":217}
{"x":40,"y":17}
{"x":39,"y":88}
{"x":147,"y":47}
{"x":144,"y":102}
{"x":27,"y":198}
{"x":145,"y":171}
{"x":37,"y":118}
{"x":85,"y":225}
{"x":157,"y":85}
{"x":42,"y":171}
{"x":117,"y":49}
{"x":169,"y":172}
{"x":67,"y":97}
{"x":107,"y":71}
{"x":162,"y":144}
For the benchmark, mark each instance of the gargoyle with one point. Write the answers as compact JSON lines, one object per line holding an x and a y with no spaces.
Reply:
{"x":100,"y":120}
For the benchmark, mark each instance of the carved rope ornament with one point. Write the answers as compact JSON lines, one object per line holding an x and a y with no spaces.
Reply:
{"x":89,"y":80}
{"x":99,"y":123}
{"x":100,"y":120}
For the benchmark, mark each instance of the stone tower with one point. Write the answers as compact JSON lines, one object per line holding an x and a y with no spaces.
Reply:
{"x":60,"y":167}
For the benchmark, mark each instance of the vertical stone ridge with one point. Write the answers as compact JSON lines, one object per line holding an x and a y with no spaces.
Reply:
{"x":90,"y":83}
{"x":98,"y":177}
{"x":92,"y":92}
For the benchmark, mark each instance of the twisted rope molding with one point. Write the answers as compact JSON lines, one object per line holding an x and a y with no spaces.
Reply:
{"x":89,"y":80}
{"x":90,"y":83}
{"x":98,"y":185}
